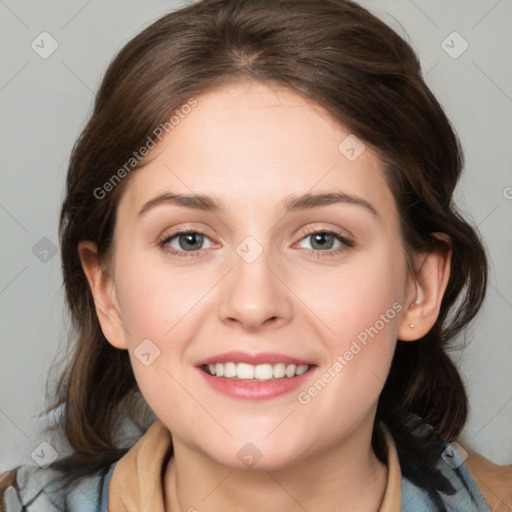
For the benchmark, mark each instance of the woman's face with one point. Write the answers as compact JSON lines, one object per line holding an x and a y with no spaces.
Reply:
{"x":274,"y":275}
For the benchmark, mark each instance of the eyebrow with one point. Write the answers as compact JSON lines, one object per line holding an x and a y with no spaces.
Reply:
{"x":291,"y":203}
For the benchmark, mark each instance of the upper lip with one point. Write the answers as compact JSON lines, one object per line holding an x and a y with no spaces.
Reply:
{"x":254,"y":359}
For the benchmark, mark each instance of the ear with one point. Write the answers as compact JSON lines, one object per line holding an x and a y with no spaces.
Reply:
{"x":104,"y":292}
{"x":430,"y":280}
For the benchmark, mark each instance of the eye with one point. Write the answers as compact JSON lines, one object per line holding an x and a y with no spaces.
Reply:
{"x":183,"y":242}
{"x":323,"y":241}
{"x":189,"y":243}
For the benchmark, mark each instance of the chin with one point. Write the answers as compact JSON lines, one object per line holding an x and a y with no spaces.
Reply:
{"x":258,"y":456}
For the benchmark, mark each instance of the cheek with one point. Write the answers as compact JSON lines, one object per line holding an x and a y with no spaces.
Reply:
{"x":355,"y":296}
{"x":154,"y":311}
{"x":352,"y":378}
{"x":155,"y":300}
{"x":361,"y":309}
{"x":159,"y":307}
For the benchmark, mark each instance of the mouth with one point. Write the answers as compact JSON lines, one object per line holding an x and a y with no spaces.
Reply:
{"x":242,"y":375}
{"x":255,"y":376}
{"x":255,"y":373}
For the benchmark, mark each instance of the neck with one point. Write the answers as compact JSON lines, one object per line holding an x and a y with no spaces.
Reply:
{"x":336,"y":479}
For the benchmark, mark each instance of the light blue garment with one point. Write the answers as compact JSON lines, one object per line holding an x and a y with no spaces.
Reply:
{"x":466,"y":496}
{"x":37,"y":491}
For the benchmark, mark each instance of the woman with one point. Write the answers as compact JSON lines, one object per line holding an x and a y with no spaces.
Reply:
{"x":259,"y":243}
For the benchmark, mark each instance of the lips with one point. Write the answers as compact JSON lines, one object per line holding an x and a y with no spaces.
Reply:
{"x":254,"y":359}
{"x":254,"y":376}
{"x":245,"y":371}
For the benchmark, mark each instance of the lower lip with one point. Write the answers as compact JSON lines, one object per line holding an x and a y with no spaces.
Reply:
{"x":254,"y":390}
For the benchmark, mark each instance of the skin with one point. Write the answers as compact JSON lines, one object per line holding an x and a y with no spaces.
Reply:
{"x":251,"y":146}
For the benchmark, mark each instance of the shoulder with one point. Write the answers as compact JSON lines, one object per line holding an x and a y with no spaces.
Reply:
{"x":493,"y":480}
{"x":33,"y":489}
{"x":458,"y":479}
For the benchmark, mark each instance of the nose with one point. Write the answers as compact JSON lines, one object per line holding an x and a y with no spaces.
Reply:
{"x":256,"y":294}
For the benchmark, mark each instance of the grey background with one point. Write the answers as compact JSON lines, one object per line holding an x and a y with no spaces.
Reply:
{"x":45,"y":103}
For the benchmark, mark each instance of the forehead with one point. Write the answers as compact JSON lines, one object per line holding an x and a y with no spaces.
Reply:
{"x":251,"y":145}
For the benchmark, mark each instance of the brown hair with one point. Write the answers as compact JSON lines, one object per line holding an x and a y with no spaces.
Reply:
{"x":336,"y":54}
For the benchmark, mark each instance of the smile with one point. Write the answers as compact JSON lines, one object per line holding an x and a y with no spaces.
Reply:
{"x":249,"y":372}
{"x":260,"y":376}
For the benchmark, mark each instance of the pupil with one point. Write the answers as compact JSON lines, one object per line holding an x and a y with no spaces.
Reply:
{"x":322,"y":237}
{"x":190,"y":237}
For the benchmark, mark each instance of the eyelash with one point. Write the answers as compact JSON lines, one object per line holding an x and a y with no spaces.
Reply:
{"x":346,"y":243}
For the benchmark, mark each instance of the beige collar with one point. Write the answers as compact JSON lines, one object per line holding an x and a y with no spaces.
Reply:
{"x":137,"y":480}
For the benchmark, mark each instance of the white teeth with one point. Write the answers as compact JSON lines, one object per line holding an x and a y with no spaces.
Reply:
{"x":290,"y":370}
{"x":262,"y":372}
{"x":279,"y":370}
{"x":303,"y":368}
{"x":244,"y":371}
{"x":230,"y":370}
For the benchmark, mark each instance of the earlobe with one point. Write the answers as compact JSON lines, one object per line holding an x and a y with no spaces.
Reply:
{"x":103,"y":290}
{"x":430,"y":281}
